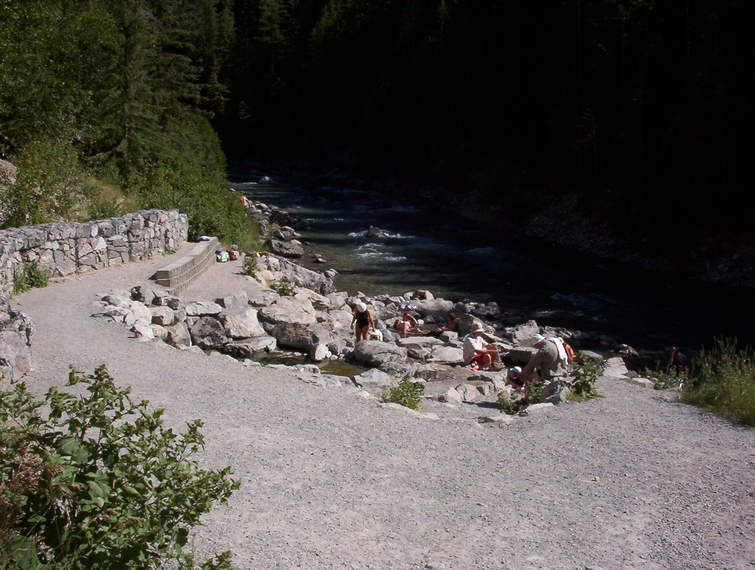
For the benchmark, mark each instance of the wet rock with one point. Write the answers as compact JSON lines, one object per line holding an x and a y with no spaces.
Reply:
{"x":319,"y":352}
{"x":375,"y":353}
{"x":247,"y":348}
{"x":377,"y":233}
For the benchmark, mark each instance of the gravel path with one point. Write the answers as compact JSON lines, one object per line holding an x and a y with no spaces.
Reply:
{"x":330,"y":479}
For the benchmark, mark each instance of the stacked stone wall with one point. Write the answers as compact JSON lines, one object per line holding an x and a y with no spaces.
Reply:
{"x":67,"y":248}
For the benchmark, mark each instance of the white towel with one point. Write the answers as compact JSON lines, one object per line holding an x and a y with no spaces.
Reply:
{"x":562,"y":356}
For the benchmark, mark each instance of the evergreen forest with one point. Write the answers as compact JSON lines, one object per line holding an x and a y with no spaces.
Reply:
{"x":638,"y":108}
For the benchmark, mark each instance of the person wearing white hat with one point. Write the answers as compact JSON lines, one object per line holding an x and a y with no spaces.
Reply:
{"x":476,"y":352}
{"x":544,"y":365}
{"x":363,"y":320}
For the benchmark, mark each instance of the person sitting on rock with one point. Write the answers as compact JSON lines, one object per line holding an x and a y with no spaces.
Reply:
{"x":363,"y":319}
{"x":408,"y":324}
{"x":476,"y":352}
{"x":546,"y":365}
{"x":452,"y":324}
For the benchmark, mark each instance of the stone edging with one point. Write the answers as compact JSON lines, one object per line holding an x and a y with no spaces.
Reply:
{"x":177,"y":276}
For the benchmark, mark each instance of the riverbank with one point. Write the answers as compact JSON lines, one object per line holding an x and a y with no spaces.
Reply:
{"x":565,"y":221}
{"x":633,"y":479}
{"x":461,"y":260}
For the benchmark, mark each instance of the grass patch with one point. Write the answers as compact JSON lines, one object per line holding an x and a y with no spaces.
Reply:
{"x":30,"y":276}
{"x":405,"y":393}
{"x":722,"y":379}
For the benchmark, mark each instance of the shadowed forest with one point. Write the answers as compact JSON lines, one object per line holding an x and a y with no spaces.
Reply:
{"x":637,"y":109}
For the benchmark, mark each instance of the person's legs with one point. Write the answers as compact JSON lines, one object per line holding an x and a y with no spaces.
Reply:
{"x":362,"y":332}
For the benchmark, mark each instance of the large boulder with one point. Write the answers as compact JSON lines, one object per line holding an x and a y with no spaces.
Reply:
{"x":242,"y":323}
{"x":201,"y":308}
{"x":375,"y":353}
{"x":319,"y":302}
{"x":445,"y":355}
{"x":522,"y":334}
{"x":293,"y":335}
{"x":467,"y":323}
{"x":272,"y":268}
{"x":248,"y":347}
{"x":521,"y":354}
{"x":419,"y":341}
{"x":291,"y":248}
{"x":235,"y":302}
{"x":208,"y":332}
{"x":289,"y":310}
{"x":433,"y":307}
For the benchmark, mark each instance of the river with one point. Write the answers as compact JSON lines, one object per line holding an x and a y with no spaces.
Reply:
{"x":431,"y":248}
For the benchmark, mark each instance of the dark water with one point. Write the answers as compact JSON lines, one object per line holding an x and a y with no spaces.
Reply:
{"x":431,"y":248}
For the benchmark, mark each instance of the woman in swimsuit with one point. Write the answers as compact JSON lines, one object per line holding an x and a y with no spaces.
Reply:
{"x":363,"y":320}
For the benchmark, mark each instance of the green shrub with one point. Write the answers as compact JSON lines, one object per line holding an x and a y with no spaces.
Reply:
{"x":586,"y":373}
{"x":722,"y":379}
{"x":663,"y":380}
{"x":510,"y":405}
{"x":284,"y":287}
{"x":250,"y":264}
{"x":31,"y":275}
{"x":405,"y":393}
{"x":49,"y":185}
{"x":94,"y":480}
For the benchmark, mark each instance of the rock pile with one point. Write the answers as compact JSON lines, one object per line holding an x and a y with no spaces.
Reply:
{"x":16,"y":331}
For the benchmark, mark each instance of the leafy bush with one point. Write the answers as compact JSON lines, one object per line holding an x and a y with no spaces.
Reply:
{"x":663,"y":380}
{"x":31,"y":275}
{"x":284,"y":287}
{"x":405,"y":393}
{"x":250,"y":264}
{"x":722,"y":379}
{"x":49,"y":184}
{"x":511,"y":406}
{"x":586,"y":373}
{"x":94,"y":480}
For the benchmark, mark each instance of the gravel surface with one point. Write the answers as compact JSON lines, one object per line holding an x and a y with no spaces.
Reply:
{"x":330,"y":479}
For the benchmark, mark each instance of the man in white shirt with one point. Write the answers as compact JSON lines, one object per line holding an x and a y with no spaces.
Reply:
{"x":477,"y":352}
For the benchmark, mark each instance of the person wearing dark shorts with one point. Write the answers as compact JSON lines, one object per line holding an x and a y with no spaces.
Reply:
{"x":363,"y":320}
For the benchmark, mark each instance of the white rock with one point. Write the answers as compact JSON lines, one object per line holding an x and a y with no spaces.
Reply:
{"x":198,"y":308}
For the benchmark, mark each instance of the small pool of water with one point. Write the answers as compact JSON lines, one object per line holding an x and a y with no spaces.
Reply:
{"x":336,"y":367}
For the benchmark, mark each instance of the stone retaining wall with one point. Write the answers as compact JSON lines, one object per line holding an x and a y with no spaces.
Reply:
{"x":67,"y":248}
{"x":177,"y":276}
